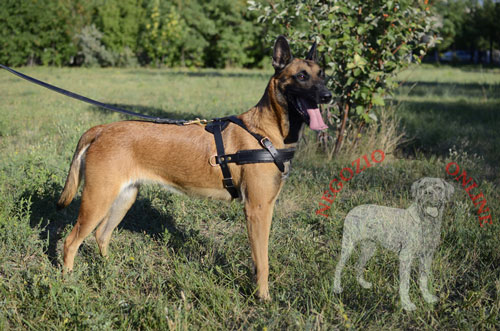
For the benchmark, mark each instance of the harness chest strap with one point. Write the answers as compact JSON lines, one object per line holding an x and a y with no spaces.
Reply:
{"x":267,"y":155}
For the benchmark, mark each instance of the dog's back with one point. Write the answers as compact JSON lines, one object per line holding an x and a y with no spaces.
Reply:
{"x":387,"y":225}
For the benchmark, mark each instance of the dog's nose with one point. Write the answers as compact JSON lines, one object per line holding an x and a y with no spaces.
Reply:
{"x":325,"y":96}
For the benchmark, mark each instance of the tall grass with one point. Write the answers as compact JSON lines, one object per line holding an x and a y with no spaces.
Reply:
{"x":182,"y":263}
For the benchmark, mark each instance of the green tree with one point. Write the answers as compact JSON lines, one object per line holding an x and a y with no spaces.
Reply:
{"x":36,"y":32}
{"x":487,"y":20}
{"x":162,"y":32}
{"x":219,"y":33}
{"x":364,"y":44}
{"x":453,"y":14}
{"x":232,"y":35}
{"x":119,"y":21}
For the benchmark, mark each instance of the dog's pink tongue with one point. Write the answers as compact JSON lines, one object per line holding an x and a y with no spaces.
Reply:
{"x":315,"y":120}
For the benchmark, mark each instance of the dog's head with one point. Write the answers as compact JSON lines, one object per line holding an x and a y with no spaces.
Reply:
{"x":431,"y":194}
{"x":301,"y":83}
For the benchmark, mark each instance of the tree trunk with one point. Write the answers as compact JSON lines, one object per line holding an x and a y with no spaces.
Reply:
{"x":491,"y":51}
{"x":340,"y":136}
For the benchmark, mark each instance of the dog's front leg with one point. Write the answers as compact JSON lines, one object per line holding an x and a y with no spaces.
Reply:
{"x":259,"y":212}
{"x":405,"y":259}
{"x":425,"y":271}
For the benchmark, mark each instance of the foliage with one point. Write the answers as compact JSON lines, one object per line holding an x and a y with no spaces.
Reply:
{"x":487,"y":19}
{"x":364,"y":43}
{"x":469,"y":25}
{"x":35,"y":32}
{"x":161,"y":33}
{"x":215,"y":33}
{"x":223,"y":32}
{"x":454,"y":16}
{"x":92,"y":51}
{"x":119,"y":21}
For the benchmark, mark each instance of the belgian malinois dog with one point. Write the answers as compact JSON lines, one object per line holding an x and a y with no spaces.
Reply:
{"x":115,"y":159}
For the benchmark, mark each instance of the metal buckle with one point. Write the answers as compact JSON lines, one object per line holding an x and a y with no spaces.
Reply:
{"x":197,"y":121}
{"x":214,"y":163}
{"x":228,"y":182}
{"x":263,"y":141}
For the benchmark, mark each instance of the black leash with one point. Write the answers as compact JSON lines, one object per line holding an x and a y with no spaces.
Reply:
{"x":94,"y":102}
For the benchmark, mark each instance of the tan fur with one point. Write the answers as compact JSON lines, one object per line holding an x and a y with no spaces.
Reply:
{"x":116,"y":158}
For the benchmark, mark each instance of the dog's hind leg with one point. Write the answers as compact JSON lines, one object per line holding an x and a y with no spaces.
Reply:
{"x":94,"y":208}
{"x":120,"y":206}
{"x":347,"y":247}
{"x":368,"y":248}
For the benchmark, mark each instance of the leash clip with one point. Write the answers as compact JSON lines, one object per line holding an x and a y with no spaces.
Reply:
{"x":197,"y":121}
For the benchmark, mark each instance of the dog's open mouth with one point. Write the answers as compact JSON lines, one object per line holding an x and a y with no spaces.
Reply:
{"x":432,"y":209}
{"x":310,"y":112}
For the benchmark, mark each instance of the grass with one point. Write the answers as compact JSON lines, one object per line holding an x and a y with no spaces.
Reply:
{"x":181,"y":263}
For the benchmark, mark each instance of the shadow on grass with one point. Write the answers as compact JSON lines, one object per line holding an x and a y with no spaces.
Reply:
{"x":457,"y":90}
{"x":141,"y":218}
{"x":438,"y":126}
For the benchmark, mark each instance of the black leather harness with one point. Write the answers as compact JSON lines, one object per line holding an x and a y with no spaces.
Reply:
{"x":266,"y":155}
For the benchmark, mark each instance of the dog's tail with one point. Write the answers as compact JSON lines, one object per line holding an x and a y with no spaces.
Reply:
{"x":77,"y":166}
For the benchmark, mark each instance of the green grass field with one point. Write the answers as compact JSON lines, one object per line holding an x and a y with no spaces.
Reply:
{"x":182,"y":263}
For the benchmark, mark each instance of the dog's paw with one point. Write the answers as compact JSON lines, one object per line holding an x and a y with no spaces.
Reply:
{"x":408,"y":306}
{"x":264,"y":296}
{"x":337,"y":288}
{"x":364,"y":284}
{"x":66,"y":271}
{"x":429,"y":298}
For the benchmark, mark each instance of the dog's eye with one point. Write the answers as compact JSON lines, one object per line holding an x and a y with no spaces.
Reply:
{"x":321,"y":73}
{"x":302,"y":76}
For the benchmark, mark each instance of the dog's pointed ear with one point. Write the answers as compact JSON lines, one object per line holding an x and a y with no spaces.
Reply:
{"x":313,"y":53}
{"x":281,"y":54}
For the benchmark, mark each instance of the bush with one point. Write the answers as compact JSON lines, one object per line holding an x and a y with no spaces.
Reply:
{"x":92,"y":51}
